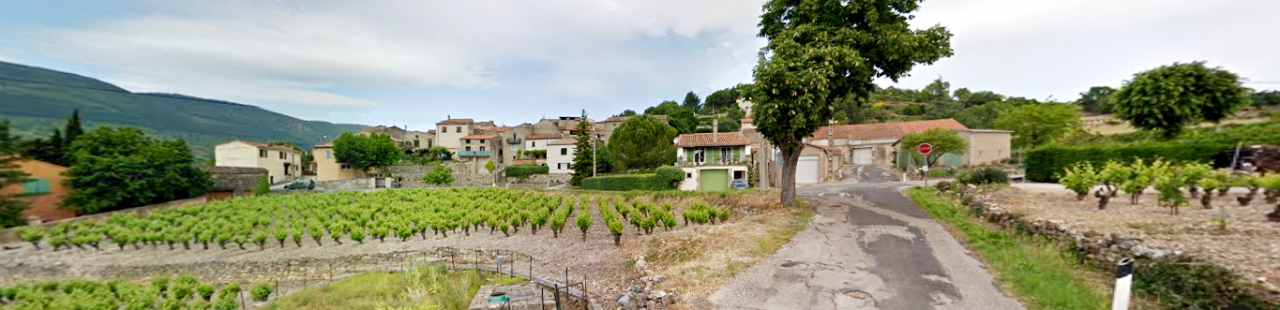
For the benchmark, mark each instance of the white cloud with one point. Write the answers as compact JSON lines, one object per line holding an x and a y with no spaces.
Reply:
{"x":307,"y":54}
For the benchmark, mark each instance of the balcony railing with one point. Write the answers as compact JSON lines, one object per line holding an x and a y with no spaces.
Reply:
{"x":513,"y":140}
{"x":742,"y":161}
{"x":473,"y":153}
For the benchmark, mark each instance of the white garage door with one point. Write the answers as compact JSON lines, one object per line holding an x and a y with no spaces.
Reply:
{"x":862,"y":156}
{"x":807,"y":170}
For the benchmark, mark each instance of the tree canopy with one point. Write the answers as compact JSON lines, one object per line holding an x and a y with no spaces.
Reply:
{"x":643,"y":142}
{"x":54,"y":149}
{"x":691,"y":101}
{"x":942,"y":141}
{"x":1097,"y":99}
{"x":822,"y":51}
{"x":117,"y":168}
{"x":1037,"y":124}
{"x":1169,"y":98}
{"x":10,"y":209}
{"x":583,"y":157}
{"x":363,"y":152}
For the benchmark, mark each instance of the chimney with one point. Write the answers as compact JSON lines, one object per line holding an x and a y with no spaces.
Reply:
{"x":715,"y":130}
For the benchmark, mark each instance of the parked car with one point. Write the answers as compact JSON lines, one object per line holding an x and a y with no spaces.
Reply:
{"x":301,"y":184}
{"x":739,"y":184}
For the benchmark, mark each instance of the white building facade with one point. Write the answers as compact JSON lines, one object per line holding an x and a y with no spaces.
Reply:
{"x":283,"y":163}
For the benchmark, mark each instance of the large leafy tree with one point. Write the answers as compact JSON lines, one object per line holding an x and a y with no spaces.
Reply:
{"x":117,"y":168}
{"x":942,"y":141}
{"x":54,"y":149}
{"x":10,"y":209}
{"x":1097,"y":99}
{"x":1169,"y":98}
{"x":583,"y":158}
{"x":366,"y":151}
{"x":691,"y":101}
{"x":822,"y":50}
{"x":982,"y":116}
{"x":643,"y":142}
{"x":1037,"y":124}
{"x":665,"y":108}
{"x":1266,"y":98}
{"x":684,"y":120}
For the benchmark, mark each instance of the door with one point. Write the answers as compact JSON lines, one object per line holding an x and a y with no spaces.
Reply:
{"x":807,"y":170}
{"x":862,"y":156}
{"x":713,"y":180}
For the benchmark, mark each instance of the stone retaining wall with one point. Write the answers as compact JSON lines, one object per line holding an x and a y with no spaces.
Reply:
{"x":412,"y":175}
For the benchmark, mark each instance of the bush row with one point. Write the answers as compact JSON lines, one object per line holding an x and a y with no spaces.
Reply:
{"x":627,"y":182}
{"x":665,"y":178}
{"x":1047,"y":163}
{"x":526,"y":170}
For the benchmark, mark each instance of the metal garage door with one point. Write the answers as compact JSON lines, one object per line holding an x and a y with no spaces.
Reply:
{"x":862,"y":156}
{"x":713,"y":180}
{"x":807,"y":170}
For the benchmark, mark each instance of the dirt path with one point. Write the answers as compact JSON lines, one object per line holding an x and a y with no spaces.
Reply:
{"x":868,"y":248}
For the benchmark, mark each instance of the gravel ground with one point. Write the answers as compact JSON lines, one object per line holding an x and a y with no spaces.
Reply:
{"x":598,"y":259}
{"x":1249,"y":244}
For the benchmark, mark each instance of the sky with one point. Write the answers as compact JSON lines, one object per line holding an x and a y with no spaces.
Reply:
{"x":416,"y":62}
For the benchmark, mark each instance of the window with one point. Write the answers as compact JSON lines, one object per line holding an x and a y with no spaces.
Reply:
{"x":35,"y":186}
{"x":459,"y":129}
{"x":468,"y":148}
{"x":533,"y":144}
{"x":345,"y":167}
{"x":284,"y":155}
{"x":444,"y":129}
{"x":262,"y":153}
{"x":699,"y":156}
{"x":564,"y":151}
{"x":482,"y":149}
{"x":328,"y":154}
{"x":481,"y":141}
{"x":726,"y":154}
{"x":468,"y":141}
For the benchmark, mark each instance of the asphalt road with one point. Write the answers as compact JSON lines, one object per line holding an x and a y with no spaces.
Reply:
{"x":868,"y":247}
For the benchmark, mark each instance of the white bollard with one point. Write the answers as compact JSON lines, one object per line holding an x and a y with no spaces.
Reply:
{"x":1124,"y":281}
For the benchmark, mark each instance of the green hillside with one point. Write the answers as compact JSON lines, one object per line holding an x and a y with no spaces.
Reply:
{"x":36,"y":100}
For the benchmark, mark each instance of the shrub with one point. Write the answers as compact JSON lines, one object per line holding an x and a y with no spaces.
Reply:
{"x":261,"y":291}
{"x":987,"y":176}
{"x":441,"y":175}
{"x":670,"y":173}
{"x":526,"y":170}
{"x":1047,"y":163}
{"x":263,"y":187}
{"x":1080,"y":178}
{"x":628,"y":182}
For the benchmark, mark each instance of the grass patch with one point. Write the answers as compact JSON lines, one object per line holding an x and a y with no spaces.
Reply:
{"x":1035,"y":269}
{"x":424,"y":287}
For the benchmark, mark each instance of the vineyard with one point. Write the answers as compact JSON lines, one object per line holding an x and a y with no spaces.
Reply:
{"x":183,"y":292}
{"x":360,"y":217}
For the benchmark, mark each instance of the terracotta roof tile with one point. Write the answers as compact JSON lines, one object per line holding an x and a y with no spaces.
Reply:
{"x":885,"y":130}
{"x":712,"y":139}
{"x":480,"y":137}
{"x":456,"y":121}
{"x":544,"y":136}
{"x":747,"y":120}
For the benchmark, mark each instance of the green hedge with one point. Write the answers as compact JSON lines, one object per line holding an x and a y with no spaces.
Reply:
{"x":627,"y":182}
{"x":671,"y":173}
{"x":526,"y":170}
{"x":1044,"y":164}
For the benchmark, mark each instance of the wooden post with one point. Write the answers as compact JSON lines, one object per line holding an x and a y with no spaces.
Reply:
{"x":542,"y":298}
{"x":241,"y":299}
{"x":557,"y":296}
{"x":584,"y":294}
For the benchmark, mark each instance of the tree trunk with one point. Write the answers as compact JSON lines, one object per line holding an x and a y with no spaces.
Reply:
{"x":1206,"y":200}
{"x":790,"y":157}
{"x":1103,"y":198}
{"x":617,"y":239}
{"x":1080,"y":196}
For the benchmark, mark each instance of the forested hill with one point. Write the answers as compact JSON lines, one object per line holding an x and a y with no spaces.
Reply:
{"x":36,"y":100}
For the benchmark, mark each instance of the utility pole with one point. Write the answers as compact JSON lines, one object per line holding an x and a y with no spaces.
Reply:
{"x":593,"y":155}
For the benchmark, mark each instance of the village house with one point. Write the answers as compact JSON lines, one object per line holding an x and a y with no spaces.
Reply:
{"x":560,"y":155}
{"x":866,"y":144}
{"x":327,"y":167}
{"x":41,"y":190}
{"x":711,"y":161}
{"x":405,"y":139}
{"x":283,"y":163}
{"x":540,"y":143}
{"x":449,"y":132}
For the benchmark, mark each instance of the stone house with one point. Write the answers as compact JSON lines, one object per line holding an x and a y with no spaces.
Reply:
{"x":867,"y":144}
{"x":283,"y":163}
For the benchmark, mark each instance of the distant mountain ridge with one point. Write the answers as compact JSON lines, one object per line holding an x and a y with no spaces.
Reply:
{"x":35,"y":100}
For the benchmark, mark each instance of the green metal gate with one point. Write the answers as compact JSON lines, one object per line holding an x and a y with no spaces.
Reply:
{"x":713,"y":180}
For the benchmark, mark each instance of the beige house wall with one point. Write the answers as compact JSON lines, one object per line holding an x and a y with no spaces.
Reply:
{"x":240,"y":154}
{"x":560,"y":163}
{"x":986,"y":146}
{"x":448,"y":135}
{"x":328,"y":168}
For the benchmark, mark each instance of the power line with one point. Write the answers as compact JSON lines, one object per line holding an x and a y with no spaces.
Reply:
{"x":122,"y":91}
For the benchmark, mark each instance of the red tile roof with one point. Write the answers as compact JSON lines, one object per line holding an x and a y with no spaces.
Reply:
{"x":502,"y":129}
{"x":456,"y":121}
{"x":480,"y":137}
{"x":712,"y":139}
{"x":747,"y":120}
{"x":544,"y":136}
{"x":885,"y":130}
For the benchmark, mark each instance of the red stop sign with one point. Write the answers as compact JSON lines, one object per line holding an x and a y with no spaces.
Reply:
{"x":925,"y":148}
